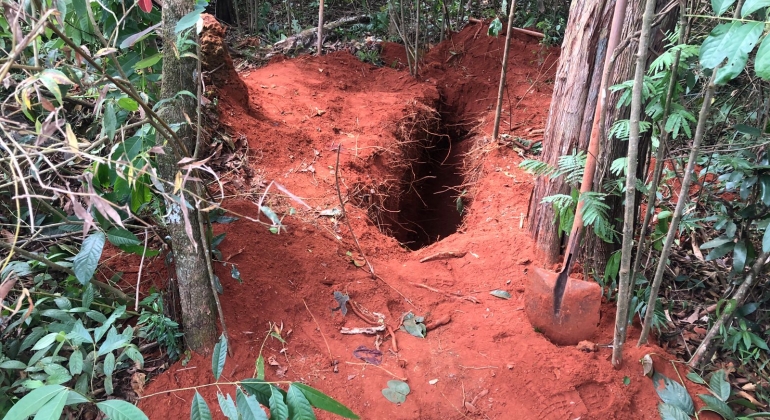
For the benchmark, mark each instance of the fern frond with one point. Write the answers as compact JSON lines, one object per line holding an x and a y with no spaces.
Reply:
{"x":572,"y":166}
{"x":537,"y":168}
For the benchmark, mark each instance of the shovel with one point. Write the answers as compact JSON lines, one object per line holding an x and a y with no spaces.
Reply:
{"x":564,"y":309}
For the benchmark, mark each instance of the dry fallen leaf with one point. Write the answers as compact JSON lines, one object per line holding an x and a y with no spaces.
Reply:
{"x":647,"y":365}
{"x":137,"y":383}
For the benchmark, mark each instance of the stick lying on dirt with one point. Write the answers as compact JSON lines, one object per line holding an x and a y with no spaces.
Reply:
{"x":445,"y":255}
{"x":449,"y":294}
{"x":524,"y":31}
{"x":365,"y":330}
{"x":304,"y":39}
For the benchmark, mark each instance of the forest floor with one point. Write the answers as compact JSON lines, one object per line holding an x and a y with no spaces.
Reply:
{"x":286,"y":120}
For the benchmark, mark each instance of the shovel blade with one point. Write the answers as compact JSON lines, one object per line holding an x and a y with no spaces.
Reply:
{"x":579,"y":315}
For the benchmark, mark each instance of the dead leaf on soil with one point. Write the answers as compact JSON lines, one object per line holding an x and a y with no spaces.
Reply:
{"x":647,"y":365}
{"x":137,"y":383}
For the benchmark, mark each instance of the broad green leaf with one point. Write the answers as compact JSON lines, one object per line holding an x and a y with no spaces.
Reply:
{"x":149,"y":61}
{"x":720,"y":251}
{"x":74,"y":397}
{"x":694,"y":377}
{"x":200,"y":410}
{"x":88,"y":296}
{"x":227,"y":406}
{"x":716,"y":242}
{"x":248,"y":406}
{"x":672,"y":392}
{"x":740,"y":254}
{"x":106,"y":324}
{"x":120,"y":236}
{"x":719,"y":385}
{"x":80,"y":334}
{"x":46,"y":341}
{"x":12,"y":364}
{"x":324,"y":402}
{"x":728,"y":40}
{"x":57,"y":374}
{"x":121,"y":410}
{"x":762,"y":59}
{"x":259,"y":389}
{"x":495,"y":27}
{"x":188,"y":21}
{"x":745,"y":41}
{"x":671,"y":412}
{"x":764,"y":189}
{"x":752,"y":6}
{"x":109,"y":369}
{"x":396,"y":391}
{"x":52,"y":87}
{"x":87,"y":260}
{"x":128,"y":104}
{"x":113,"y":342}
{"x":76,"y":362}
{"x":278,"y":408}
{"x":299,"y":407}
{"x":33,"y":401}
{"x":219,"y":357}
{"x":109,"y":121}
{"x":721,"y":6}
{"x":52,"y":410}
{"x":718,"y":406}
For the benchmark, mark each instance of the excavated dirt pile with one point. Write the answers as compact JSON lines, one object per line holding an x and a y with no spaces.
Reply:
{"x":420,"y":179}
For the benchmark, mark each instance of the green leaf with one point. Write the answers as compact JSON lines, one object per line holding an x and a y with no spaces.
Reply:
{"x":672,"y":392}
{"x":260,"y":365}
{"x":52,"y":410}
{"x":721,"y":6}
{"x":13,"y":364}
{"x":671,"y":412}
{"x":694,"y":377}
{"x":88,"y":296}
{"x":727,"y":41}
{"x":259,"y":389}
{"x":762,"y":60}
{"x":752,"y":6}
{"x":299,"y":407}
{"x":57,"y":374}
{"x":718,"y":406}
{"x":248,"y":406}
{"x":200,"y":410}
{"x":396,"y":391}
{"x":746,"y":41}
{"x":219,"y":357}
{"x":764,"y":187}
{"x":149,"y":61}
{"x":119,"y":236}
{"x":109,"y":121}
{"x":739,"y":256}
{"x":46,"y":341}
{"x":322,"y":401}
{"x":495,"y":27}
{"x":33,"y":401}
{"x":720,"y":251}
{"x":502,"y":294}
{"x":719,"y":385}
{"x":121,"y":410}
{"x":109,"y":369}
{"x":113,"y":342}
{"x":87,"y":260}
{"x":128,"y":104}
{"x":52,"y":87}
{"x":227,"y":406}
{"x":76,"y":362}
{"x":716,"y":242}
{"x":80,"y":334}
{"x":187,"y":21}
{"x":278,"y":408}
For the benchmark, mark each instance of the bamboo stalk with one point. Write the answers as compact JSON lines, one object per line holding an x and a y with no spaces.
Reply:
{"x":499,"y":108}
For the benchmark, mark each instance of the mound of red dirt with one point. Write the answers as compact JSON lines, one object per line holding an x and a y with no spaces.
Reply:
{"x":483,"y":360}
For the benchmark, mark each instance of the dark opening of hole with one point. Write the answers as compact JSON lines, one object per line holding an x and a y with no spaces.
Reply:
{"x":429,"y":210}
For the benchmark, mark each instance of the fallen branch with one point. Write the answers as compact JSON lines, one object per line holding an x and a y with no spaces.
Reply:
{"x":448,"y":294}
{"x":364,"y":330}
{"x":360,"y":313}
{"x":445,"y":255}
{"x":305,"y":39}
{"x":513,"y":28}
{"x":704,"y":350}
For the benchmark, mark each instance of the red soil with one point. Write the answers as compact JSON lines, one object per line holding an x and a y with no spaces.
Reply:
{"x":299,"y":110}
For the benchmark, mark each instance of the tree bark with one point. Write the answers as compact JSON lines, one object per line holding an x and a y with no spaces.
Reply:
{"x":195,"y":294}
{"x":575,"y":94}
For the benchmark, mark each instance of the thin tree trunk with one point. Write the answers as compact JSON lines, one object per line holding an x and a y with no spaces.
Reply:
{"x":499,"y":108}
{"x":621,"y":317}
{"x":575,"y":95}
{"x":417,"y":41}
{"x":684,"y":198}
{"x":320,"y":44}
{"x":196,"y":296}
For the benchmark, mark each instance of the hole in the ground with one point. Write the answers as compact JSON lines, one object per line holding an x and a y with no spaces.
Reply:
{"x":428,"y":209}
{"x":419,"y":206}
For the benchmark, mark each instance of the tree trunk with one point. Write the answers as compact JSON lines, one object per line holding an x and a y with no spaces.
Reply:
{"x":569,"y":122}
{"x":225,"y":11}
{"x":596,"y":252}
{"x":195,"y":294}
